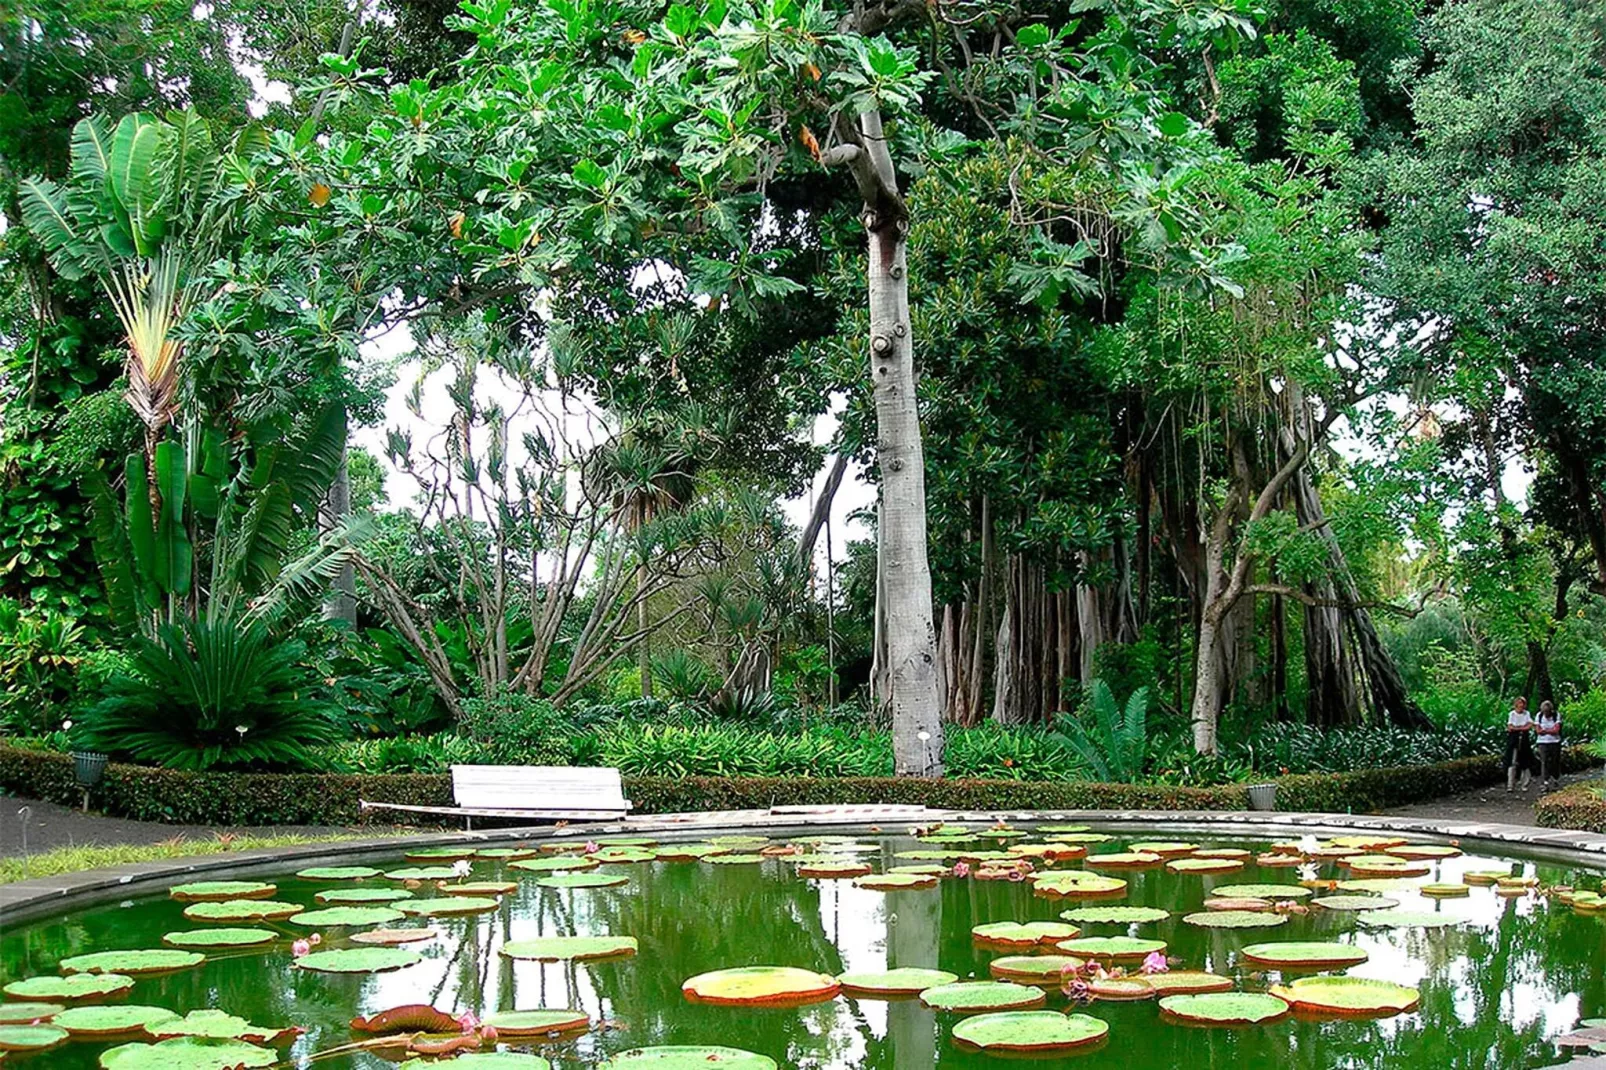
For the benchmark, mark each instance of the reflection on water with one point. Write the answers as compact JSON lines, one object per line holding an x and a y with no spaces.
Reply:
{"x":1495,"y":990}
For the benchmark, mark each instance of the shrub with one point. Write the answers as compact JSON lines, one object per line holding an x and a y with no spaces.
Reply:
{"x":41,"y":652}
{"x":518,"y":728}
{"x":1585,"y":717}
{"x":1577,"y":806}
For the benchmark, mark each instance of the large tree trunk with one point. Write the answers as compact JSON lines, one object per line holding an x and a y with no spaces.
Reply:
{"x":1209,"y":683}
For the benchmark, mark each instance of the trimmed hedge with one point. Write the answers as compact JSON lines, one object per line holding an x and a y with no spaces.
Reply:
{"x":1577,"y":806}
{"x":331,"y":798}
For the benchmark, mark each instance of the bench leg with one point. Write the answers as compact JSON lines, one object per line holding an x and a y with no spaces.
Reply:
{"x":468,"y":823}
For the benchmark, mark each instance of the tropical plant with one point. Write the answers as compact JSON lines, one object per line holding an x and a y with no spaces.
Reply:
{"x":1113,"y":741}
{"x":40,"y":652}
{"x":681,"y":673}
{"x":211,"y":694}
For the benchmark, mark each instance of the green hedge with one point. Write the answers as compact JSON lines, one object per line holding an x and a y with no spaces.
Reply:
{"x":331,"y":798}
{"x":1578,"y":806}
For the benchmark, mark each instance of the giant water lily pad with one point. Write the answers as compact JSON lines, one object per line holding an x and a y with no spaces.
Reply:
{"x":735,"y":859}
{"x":786,"y":985}
{"x":346,"y":896}
{"x":1033,"y":969}
{"x":1278,"y":860}
{"x":478,"y":888}
{"x":78,"y":988}
{"x":1083,"y":837}
{"x":687,"y":1057}
{"x":562,"y":864}
{"x":188,"y":1053}
{"x":1240,"y":854}
{"x":1074,"y":884}
{"x":1484,"y":877}
{"x":1355,"y":902}
{"x":437,"y":855}
{"x":138,"y":963}
{"x":975,"y":997}
{"x":1112,"y":948}
{"x":1386,"y":866}
{"x":1225,"y":1008}
{"x":1259,"y":905}
{"x":904,"y":981}
{"x":1175,"y":982}
{"x":1030,"y":1031}
{"x":221,"y":1025}
{"x":100,"y":1023}
{"x":1236,"y":919}
{"x":1163,"y":848}
{"x":1274,"y":892}
{"x":1366,"y":842}
{"x":208,"y":938}
{"x":28,"y":1013}
{"x":1306,"y":955}
{"x":221,"y":891}
{"x":392,"y":937}
{"x":243,"y":910}
{"x":1408,"y":919}
{"x":1115,"y":915}
{"x":1120,"y":989}
{"x":31,"y":1038}
{"x":895,"y":882}
{"x":626,"y":855}
{"x":359,"y":960}
{"x":338,"y":873}
{"x":1024,"y":934}
{"x":448,"y":906}
{"x":482,"y":1060}
{"x":409,"y":1018}
{"x":422,"y":873}
{"x":1348,"y":996}
{"x":583,"y":880}
{"x":576,"y":948}
{"x":1445,"y":891}
{"x":1424,"y":851}
{"x":834,"y":870}
{"x":1204,"y":865}
{"x":347,"y":917}
{"x":927,"y":856}
{"x":506,"y":854}
{"x":690,"y":852}
{"x":514,"y":1025}
{"x":1123,"y":860}
{"x":1051,"y":852}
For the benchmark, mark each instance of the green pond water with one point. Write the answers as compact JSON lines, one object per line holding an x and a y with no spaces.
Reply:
{"x":1496,"y":989}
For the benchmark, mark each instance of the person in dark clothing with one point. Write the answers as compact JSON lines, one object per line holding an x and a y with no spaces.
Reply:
{"x":1547,"y":741}
{"x":1518,"y":757}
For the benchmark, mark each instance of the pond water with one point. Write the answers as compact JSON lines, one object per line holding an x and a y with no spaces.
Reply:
{"x":1496,"y":988}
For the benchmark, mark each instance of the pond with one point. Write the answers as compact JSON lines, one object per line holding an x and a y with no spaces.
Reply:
{"x":1491,"y":974}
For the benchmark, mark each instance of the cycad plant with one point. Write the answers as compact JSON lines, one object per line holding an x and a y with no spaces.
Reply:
{"x":1111,"y":740}
{"x":219,"y":694}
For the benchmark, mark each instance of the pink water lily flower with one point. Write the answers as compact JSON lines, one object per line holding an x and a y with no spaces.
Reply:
{"x":300,"y":947}
{"x":961,"y":869}
{"x":1155,"y":963}
{"x":315,"y":939}
{"x":488,"y":1033}
{"x":469,"y":1021}
{"x":592,"y":847}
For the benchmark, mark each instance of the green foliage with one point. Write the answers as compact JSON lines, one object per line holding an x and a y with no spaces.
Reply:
{"x":211,"y":695}
{"x":41,"y":651}
{"x":1113,"y":742}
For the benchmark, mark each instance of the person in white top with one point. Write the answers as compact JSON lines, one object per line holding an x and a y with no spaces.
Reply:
{"x":1519,"y":753}
{"x":1547,"y":741}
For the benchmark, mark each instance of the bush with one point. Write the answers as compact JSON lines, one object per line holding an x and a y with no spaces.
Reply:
{"x":1578,"y":806}
{"x":516,"y":728}
{"x":1281,"y":748}
{"x":41,"y":652}
{"x":1585,"y":717}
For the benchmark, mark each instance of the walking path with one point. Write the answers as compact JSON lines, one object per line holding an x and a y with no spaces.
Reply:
{"x":1489,"y":805}
{"x":49,"y":825}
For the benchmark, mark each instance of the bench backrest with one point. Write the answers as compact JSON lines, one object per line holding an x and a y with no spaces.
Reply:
{"x":537,"y":787}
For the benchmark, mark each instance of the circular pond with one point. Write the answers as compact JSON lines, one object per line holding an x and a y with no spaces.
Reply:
{"x":701,"y":955}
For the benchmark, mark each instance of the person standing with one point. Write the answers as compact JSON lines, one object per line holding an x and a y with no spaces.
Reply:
{"x":1519,"y":752}
{"x":1547,"y":741}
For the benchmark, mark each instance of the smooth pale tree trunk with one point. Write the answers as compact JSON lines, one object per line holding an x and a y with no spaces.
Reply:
{"x":1209,"y":687}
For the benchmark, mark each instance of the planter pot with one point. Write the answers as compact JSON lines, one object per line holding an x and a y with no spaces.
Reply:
{"x":1263,"y":796}
{"x":89,"y":766}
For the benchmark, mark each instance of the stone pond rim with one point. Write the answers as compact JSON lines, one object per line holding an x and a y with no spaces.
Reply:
{"x":43,"y":896}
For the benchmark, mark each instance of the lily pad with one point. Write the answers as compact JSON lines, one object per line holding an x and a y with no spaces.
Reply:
{"x":926,"y":856}
{"x":1425,"y":851}
{"x":78,"y":988}
{"x":1033,"y":969}
{"x":513,"y":1025}
{"x":221,"y":891}
{"x":1274,"y":892}
{"x":347,"y":917}
{"x":1306,"y":955}
{"x":31,"y":1038}
{"x":341,"y":896}
{"x":625,"y":855}
{"x":1484,"y":877}
{"x":1115,"y":915}
{"x":1111,"y":948}
{"x":735,"y":859}
{"x":188,"y":1053}
{"x":1121,"y":989}
{"x":974,"y":997}
{"x":205,"y":938}
{"x":478,"y":888}
{"x":583,"y":880}
{"x":1238,"y":853}
{"x":835,"y":870}
{"x":1123,"y":860}
{"x":1163,"y":848}
{"x":1355,"y":902}
{"x":1083,"y":837}
{"x":761,"y":984}
{"x":422,"y":873}
{"x":1445,"y":891}
{"x":687,"y":1057}
{"x":1390,"y":867}
{"x":338,"y":873}
{"x":1225,"y":1008}
{"x":482,"y":1060}
{"x":1023,"y":934}
{"x":28,"y":1013}
{"x":440,"y":854}
{"x":1365,"y":842}
{"x":894,"y":882}
{"x":100,"y":1023}
{"x":408,"y":1018}
{"x":1275,"y":860}
{"x":1408,"y":919}
{"x":1051,"y":852}
{"x":905,"y":981}
{"x":561,"y":864}
{"x":929,"y":871}
{"x":1030,"y":1031}
{"x":506,"y":854}
{"x":139,"y":963}
{"x":221,"y":1025}
{"x":392,"y":937}
{"x":690,"y":852}
{"x":576,"y":948}
{"x":359,"y":960}
{"x":1074,"y":884}
{"x":1348,"y":996}
{"x":1260,"y":905}
{"x":446,"y":906}
{"x":1174,"y":982}
{"x":1236,"y":919}
{"x":243,"y":910}
{"x":1204,"y":865}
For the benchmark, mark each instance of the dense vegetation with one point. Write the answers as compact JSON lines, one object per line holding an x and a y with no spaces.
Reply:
{"x":1228,"y":375}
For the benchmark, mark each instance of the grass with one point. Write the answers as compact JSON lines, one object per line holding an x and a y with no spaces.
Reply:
{"x":75,"y":859}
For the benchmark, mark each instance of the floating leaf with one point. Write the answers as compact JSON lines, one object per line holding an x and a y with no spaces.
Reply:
{"x":1348,"y":996}
{"x":512,"y":1025}
{"x":99,"y":1023}
{"x":1484,"y":877}
{"x":506,"y":854}
{"x":1177,"y":981}
{"x":364,"y":895}
{"x":1225,"y":1008}
{"x":1237,"y":853}
{"x":1385,"y":866}
{"x":1121,"y":989}
{"x":205,"y":938}
{"x":1423,"y":851}
{"x":422,"y":873}
{"x":834,"y":870}
{"x":735,"y":859}
{"x":221,"y":891}
{"x":479,"y":888}
{"x":927,"y":856}
{"x":483,"y":1060}
{"x":1276,"y":860}
{"x":28,"y":1013}
{"x":188,"y":1053}
{"x":1204,"y":865}
{"x":409,"y":1018}
{"x":577,"y":948}
{"x":972,"y":997}
{"x":243,"y":910}
{"x":447,"y":906}
{"x":1306,"y":955}
{"x":79,"y":988}
{"x":1023,"y":934}
{"x":347,"y":917}
{"x":136,"y":963}
{"x":359,"y":960}
{"x":1115,"y":915}
{"x":928,"y":870}
{"x":1274,"y":892}
{"x":391,"y":937}
{"x":583,"y":880}
{"x":1030,"y":1031}
{"x":895,"y":882}
{"x":632,"y":855}
{"x":685,"y":1057}
{"x":625,"y":841}
{"x":1368,"y":842}
{"x":1354,"y":902}
{"x":1056,"y":829}
{"x":1408,"y":919}
{"x":1112,"y":948}
{"x":1163,"y":848}
{"x":31,"y":1037}
{"x":1074,"y":884}
{"x":337,"y":873}
{"x":554,"y":865}
{"x":905,"y":981}
{"x":1236,"y":919}
{"x":1445,"y":891}
{"x":1258,"y":905}
{"x":760,"y":984}
{"x":1034,"y":969}
{"x":1123,"y":860}
{"x":440,"y":854}
{"x":221,"y":1025}
{"x":690,"y":852}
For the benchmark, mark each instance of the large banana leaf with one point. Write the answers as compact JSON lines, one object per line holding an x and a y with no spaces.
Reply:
{"x":174,"y":557}
{"x":135,"y":186}
{"x":91,"y":152}
{"x":141,"y":529}
{"x":117,"y":573}
{"x":45,"y":214}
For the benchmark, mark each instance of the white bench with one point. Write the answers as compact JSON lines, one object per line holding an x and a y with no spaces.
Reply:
{"x":528,"y":791}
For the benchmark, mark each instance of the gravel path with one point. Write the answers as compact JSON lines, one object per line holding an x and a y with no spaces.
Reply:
{"x":1487,"y":805}
{"x":58,"y":826}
